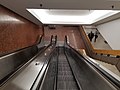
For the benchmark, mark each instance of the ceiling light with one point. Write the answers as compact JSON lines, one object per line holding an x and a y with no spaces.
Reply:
{"x":55,"y":16}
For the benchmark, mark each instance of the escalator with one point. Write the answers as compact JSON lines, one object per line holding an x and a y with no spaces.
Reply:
{"x":67,"y":71}
{"x":61,"y":68}
{"x":30,"y":59}
{"x":65,"y":76}
{"x":87,"y":76}
{"x":59,"y":76}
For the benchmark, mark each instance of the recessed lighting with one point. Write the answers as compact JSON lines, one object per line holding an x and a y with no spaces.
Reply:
{"x":57,"y":16}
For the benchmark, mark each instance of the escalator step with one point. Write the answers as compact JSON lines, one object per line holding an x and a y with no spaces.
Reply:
{"x":67,"y":85}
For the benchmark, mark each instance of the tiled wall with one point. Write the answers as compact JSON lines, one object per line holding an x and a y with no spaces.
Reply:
{"x":16,"y":32}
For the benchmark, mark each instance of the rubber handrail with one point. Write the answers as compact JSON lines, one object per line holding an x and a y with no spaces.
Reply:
{"x":106,"y":74}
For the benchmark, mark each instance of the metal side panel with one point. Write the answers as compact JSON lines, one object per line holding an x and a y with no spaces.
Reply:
{"x":24,"y":79}
{"x":88,"y":77}
{"x":11,"y":62}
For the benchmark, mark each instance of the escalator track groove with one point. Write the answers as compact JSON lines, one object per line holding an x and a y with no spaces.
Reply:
{"x":65,"y":78}
{"x":59,"y":75}
{"x":67,"y":71}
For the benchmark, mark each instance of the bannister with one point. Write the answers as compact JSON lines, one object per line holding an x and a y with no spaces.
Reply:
{"x":97,"y":51}
{"x":86,"y":37}
{"x":107,"y":75}
{"x":88,"y":46}
{"x":108,"y":52}
{"x":108,"y":56}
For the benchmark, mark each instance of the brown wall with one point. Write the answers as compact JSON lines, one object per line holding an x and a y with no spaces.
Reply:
{"x":72,"y":33}
{"x":16,"y":32}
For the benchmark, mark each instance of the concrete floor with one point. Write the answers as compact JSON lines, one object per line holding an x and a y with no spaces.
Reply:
{"x":99,"y":44}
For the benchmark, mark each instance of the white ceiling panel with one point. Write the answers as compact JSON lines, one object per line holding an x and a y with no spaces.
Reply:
{"x":19,"y":6}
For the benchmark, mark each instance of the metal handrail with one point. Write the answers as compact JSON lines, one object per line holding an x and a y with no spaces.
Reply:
{"x":39,"y":78}
{"x":56,"y":78}
{"x":103,"y":72}
{"x":65,"y":45}
{"x":40,"y":39}
{"x":77,"y":82}
{"x":23,"y":66}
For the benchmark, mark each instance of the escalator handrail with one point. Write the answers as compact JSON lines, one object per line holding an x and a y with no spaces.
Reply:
{"x":106,"y":74}
{"x":39,"y":78}
{"x":55,"y":38}
{"x":40,"y":39}
{"x":36,"y":83}
{"x":76,"y":80}
{"x":24,"y":65}
{"x":51,"y":38}
{"x":56,"y":77}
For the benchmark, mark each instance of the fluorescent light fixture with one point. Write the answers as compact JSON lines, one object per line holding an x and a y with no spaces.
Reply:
{"x":58,"y":16}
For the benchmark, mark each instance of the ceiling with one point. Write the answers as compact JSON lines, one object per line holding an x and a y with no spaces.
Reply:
{"x":60,"y":16}
{"x":69,"y":12}
{"x":19,"y":6}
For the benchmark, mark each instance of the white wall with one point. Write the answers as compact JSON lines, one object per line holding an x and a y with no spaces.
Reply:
{"x":111,"y":33}
{"x":99,"y":44}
